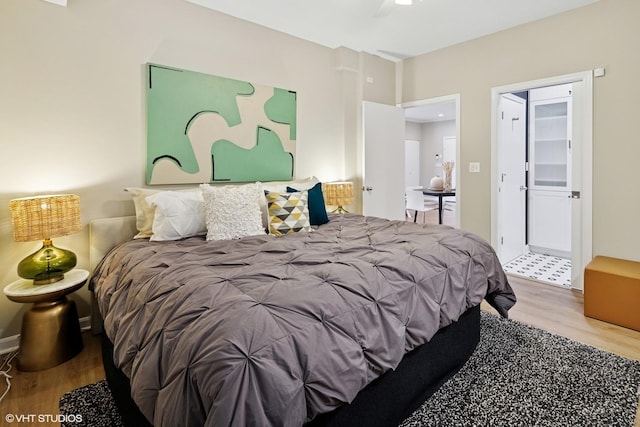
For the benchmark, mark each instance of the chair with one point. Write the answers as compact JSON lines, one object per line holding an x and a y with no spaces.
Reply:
{"x":449,"y":205}
{"x":415,"y":202}
{"x":430,"y":202}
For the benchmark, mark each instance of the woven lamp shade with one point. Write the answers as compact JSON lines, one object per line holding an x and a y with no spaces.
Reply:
{"x":45,"y":217}
{"x":338,"y":193}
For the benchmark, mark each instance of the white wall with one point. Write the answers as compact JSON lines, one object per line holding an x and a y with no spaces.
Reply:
{"x":72,"y":108}
{"x":413,"y":131}
{"x":432,"y":135}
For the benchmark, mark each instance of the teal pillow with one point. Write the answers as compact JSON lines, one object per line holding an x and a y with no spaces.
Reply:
{"x":317,"y":210}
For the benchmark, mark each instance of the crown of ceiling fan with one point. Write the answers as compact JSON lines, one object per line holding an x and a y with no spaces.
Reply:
{"x":404,"y":2}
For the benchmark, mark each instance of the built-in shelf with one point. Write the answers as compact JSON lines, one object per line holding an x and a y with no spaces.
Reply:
{"x":549,"y":195}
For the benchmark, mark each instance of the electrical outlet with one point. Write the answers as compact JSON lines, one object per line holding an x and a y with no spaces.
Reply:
{"x":474,"y":167}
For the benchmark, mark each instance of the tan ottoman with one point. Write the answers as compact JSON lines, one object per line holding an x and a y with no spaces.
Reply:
{"x":612,"y":291}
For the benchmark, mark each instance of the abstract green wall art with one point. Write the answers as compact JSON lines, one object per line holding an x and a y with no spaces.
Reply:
{"x":204,"y":128}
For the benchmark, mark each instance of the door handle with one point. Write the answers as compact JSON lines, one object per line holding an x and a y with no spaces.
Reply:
{"x":367,"y":188}
{"x":523,"y":188}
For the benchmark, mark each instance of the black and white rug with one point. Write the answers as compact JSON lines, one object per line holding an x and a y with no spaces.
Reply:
{"x":541,"y":268}
{"x":518,"y":376}
{"x":91,"y":405}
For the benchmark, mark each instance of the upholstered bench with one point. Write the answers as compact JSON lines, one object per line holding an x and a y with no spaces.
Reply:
{"x":612,"y":291}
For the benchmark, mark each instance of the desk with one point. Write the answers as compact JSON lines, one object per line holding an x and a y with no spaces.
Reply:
{"x":439,"y":194}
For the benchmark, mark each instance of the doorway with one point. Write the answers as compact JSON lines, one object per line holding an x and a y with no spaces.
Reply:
{"x":383,"y":155}
{"x":434,"y":124}
{"x":543,"y":183}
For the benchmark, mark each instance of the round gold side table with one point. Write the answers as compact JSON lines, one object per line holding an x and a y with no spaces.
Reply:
{"x":50,"y":332}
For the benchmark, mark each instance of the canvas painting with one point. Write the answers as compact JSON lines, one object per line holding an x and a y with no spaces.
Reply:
{"x":205,"y":128}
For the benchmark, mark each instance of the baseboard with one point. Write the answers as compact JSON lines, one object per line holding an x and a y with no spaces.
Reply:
{"x":9,"y":344}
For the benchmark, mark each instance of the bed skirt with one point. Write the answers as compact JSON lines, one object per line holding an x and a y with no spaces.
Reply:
{"x":385,"y":402}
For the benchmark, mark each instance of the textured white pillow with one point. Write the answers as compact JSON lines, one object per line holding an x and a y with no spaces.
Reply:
{"x":177,"y":215}
{"x":233,"y":212}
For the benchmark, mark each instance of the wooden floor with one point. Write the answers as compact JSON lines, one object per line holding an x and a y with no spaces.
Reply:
{"x":38,"y":393}
{"x":548,"y":307}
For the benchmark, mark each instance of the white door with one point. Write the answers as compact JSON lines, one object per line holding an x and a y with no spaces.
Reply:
{"x":511,"y":177}
{"x":412,"y":163}
{"x":383,"y":175}
{"x":550,"y":222}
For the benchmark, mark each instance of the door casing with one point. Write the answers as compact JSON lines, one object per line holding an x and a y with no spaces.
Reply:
{"x":456,"y":170}
{"x":582,"y":216}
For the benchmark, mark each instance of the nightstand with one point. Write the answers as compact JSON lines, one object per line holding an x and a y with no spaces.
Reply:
{"x":50,"y":328}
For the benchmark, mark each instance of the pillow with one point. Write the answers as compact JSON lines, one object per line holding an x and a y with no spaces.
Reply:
{"x":177,"y":215}
{"x":288,"y":212}
{"x":317,"y":209}
{"x":281,"y":187}
{"x":144,"y":212}
{"x":232,"y":212}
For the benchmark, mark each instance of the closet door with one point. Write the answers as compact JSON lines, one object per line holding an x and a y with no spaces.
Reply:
{"x":550,"y":127}
{"x":550,"y":161}
{"x":550,"y":223}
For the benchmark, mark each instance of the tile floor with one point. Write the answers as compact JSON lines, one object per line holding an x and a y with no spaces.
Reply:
{"x":542,"y":268}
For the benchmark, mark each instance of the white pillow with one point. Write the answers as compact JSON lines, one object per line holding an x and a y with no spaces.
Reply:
{"x":144,"y":212}
{"x":177,"y":215}
{"x":233,"y":212}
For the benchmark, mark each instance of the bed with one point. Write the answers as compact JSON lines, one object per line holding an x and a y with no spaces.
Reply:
{"x":355,"y":323}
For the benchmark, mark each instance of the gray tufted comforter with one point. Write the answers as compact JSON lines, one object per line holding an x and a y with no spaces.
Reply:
{"x":271,"y":331}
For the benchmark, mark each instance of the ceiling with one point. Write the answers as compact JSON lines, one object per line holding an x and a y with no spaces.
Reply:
{"x":383,"y":28}
{"x":432,"y":112}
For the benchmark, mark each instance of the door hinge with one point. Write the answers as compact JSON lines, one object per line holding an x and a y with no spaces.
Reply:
{"x":502,"y":240}
{"x":503,"y":115}
{"x":526,"y":166}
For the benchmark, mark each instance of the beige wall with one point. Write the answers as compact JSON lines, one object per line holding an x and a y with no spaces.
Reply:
{"x":72,"y":112}
{"x":604,"y":34}
{"x":72,"y":103}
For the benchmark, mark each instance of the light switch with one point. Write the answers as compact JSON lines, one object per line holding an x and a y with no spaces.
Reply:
{"x":474,"y":167}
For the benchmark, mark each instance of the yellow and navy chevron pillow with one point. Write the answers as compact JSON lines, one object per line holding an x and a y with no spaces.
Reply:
{"x":288,"y":212}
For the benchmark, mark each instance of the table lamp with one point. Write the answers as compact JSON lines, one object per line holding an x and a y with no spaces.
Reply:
{"x":42,"y":218}
{"x":338,"y":194}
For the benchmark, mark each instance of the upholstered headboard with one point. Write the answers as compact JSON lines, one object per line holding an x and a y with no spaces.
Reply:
{"x":104,"y":234}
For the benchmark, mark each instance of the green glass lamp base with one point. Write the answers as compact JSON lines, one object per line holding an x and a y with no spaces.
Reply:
{"x":47,"y":265}
{"x":340,"y":210}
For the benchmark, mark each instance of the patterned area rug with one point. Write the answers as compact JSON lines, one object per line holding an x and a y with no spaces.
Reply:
{"x":94,"y":403}
{"x":518,"y":376}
